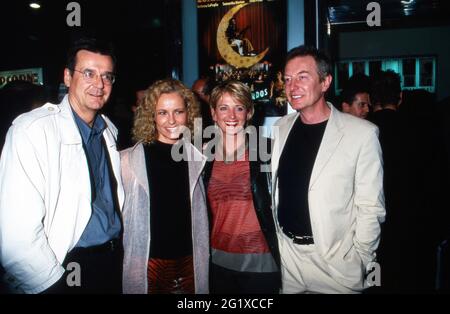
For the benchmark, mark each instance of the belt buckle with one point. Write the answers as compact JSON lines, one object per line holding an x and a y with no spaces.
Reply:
{"x":302,"y":240}
{"x":112,"y":245}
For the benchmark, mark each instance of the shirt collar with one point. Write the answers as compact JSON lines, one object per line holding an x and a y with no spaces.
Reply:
{"x":85,"y":130}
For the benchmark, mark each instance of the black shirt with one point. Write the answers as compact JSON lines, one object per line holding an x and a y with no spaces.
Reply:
{"x":170,"y":207}
{"x":294,"y":172}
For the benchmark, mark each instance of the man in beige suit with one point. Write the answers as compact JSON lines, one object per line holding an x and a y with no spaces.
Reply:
{"x":328,"y":185}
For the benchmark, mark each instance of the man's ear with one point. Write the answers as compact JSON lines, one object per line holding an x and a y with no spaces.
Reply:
{"x":401,"y":99}
{"x":326,"y":83}
{"x":67,"y":77}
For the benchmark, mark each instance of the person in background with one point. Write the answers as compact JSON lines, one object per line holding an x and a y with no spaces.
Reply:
{"x":277,"y":92}
{"x":355,"y":96}
{"x":17,"y":97}
{"x":414,"y":184}
{"x":202,"y":89}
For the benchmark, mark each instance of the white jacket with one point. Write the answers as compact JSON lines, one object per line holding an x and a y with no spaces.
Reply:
{"x":345,"y":195}
{"x":45,"y":194}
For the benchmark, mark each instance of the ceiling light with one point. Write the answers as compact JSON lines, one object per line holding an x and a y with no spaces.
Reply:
{"x":407,"y":2}
{"x":35,"y":5}
{"x":408,"y":11}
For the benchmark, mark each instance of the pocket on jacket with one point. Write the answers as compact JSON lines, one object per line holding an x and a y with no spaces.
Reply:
{"x":348,"y":269}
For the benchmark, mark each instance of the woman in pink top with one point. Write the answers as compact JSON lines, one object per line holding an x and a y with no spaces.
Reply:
{"x":244,"y":249}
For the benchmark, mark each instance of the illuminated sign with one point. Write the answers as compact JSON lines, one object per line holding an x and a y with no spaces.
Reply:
{"x":206,"y":4}
{"x":31,"y":75}
{"x":244,"y":40}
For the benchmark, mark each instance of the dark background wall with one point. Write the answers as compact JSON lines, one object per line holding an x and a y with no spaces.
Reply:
{"x":145,"y":34}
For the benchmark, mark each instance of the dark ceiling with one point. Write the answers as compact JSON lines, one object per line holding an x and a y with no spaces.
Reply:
{"x":142,"y":31}
{"x":394,"y":13}
{"x":145,"y":30}
{"x":118,"y":17}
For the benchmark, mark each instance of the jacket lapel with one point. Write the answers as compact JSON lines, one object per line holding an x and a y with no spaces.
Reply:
{"x":280,"y":136}
{"x":69,"y":130}
{"x":330,"y":141}
{"x":110,"y":140}
{"x":283,"y":132}
{"x":196,"y":163}
{"x":139,"y":166}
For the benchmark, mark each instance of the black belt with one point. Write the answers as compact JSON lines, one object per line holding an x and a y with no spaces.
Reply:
{"x":302,"y":240}
{"x":108,"y":246}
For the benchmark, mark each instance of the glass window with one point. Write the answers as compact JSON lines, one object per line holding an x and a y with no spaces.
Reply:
{"x":392,"y":64}
{"x":358,"y":67}
{"x":374,"y":67}
{"x":415,"y":72}
{"x":409,"y":72}
{"x":426,"y":72}
{"x":342,"y":75}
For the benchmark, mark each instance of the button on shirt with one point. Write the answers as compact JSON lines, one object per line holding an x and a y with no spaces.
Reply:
{"x":104,"y":223}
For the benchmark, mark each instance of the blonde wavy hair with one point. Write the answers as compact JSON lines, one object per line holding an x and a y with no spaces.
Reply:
{"x":144,"y":126}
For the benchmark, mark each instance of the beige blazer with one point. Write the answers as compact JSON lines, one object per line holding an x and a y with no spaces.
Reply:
{"x":346,"y":200}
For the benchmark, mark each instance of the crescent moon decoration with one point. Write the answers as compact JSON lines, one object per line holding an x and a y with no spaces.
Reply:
{"x":226,"y":51}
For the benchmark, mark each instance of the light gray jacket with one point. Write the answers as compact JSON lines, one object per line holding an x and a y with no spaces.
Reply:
{"x":136,"y":218}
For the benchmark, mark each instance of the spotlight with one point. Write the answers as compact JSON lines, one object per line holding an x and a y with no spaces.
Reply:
{"x":35,"y":5}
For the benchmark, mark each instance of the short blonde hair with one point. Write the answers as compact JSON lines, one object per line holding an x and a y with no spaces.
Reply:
{"x":144,"y":126}
{"x":237,"y":90}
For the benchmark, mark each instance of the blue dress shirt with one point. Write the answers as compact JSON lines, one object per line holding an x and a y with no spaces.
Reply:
{"x":105,"y":223}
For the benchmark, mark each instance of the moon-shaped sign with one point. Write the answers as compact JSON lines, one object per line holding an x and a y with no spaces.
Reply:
{"x":226,"y":51}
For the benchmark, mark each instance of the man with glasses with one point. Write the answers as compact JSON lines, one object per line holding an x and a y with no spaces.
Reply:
{"x":60,"y":187}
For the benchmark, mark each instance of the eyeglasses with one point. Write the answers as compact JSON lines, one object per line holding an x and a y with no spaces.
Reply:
{"x":91,"y":76}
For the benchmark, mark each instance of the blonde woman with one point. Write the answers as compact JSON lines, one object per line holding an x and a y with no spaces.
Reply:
{"x":245,"y":257}
{"x":166,"y":236}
